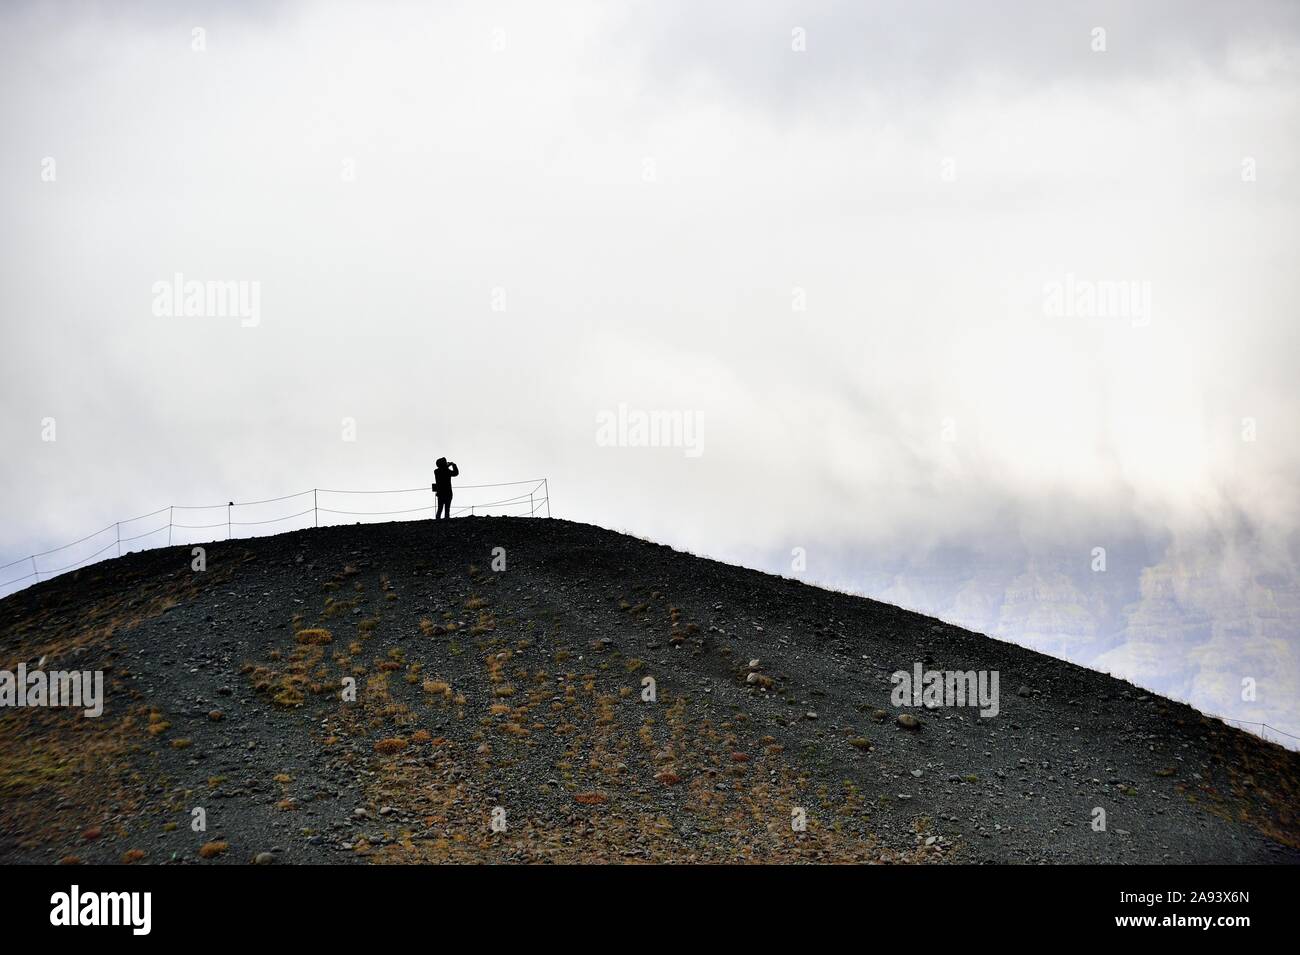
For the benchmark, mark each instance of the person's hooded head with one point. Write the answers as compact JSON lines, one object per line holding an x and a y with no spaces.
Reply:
{"x":442,"y":462}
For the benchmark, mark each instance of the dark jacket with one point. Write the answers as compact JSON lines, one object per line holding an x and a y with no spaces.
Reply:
{"x":442,"y":479}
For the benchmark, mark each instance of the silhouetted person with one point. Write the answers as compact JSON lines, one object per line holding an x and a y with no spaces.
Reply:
{"x":442,"y":475}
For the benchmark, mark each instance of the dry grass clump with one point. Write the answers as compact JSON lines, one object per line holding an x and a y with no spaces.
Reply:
{"x":438,"y":688}
{"x":210,"y":850}
{"x":391,"y":745}
{"x":314,"y":635}
{"x":335,"y":608}
{"x":157,"y":725}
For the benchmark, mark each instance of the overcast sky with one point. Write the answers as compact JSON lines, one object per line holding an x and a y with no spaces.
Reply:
{"x":834,"y":239}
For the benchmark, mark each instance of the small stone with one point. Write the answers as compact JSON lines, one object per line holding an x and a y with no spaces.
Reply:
{"x":908,"y":721}
{"x":216,"y":716}
{"x":263,"y":858}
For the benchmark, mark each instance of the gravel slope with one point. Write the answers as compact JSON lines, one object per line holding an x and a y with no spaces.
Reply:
{"x":520,"y":690}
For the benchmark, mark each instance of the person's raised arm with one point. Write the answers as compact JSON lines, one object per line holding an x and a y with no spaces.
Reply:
{"x":455,"y":471}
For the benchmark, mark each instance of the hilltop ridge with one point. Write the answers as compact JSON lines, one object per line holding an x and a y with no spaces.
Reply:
{"x":499,"y":669}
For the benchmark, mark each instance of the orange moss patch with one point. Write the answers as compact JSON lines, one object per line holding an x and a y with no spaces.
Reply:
{"x":210,"y":850}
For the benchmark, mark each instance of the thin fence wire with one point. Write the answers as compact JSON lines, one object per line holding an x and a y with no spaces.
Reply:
{"x":532,"y":502}
{"x":1229,"y":719}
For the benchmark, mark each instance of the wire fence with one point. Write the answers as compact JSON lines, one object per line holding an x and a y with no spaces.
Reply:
{"x":1262,"y":726}
{"x":193,"y":524}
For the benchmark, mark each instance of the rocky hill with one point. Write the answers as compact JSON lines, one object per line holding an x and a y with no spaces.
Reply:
{"x":478,"y":690}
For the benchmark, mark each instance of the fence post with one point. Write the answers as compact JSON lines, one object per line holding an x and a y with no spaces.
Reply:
{"x":315,"y":514}
{"x":532,"y":508}
{"x":36,"y":570}
{"x":547,"y":486}
{"x":169,"y":524}
{"x":229,"y":506}
{"x":118,"y":527}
